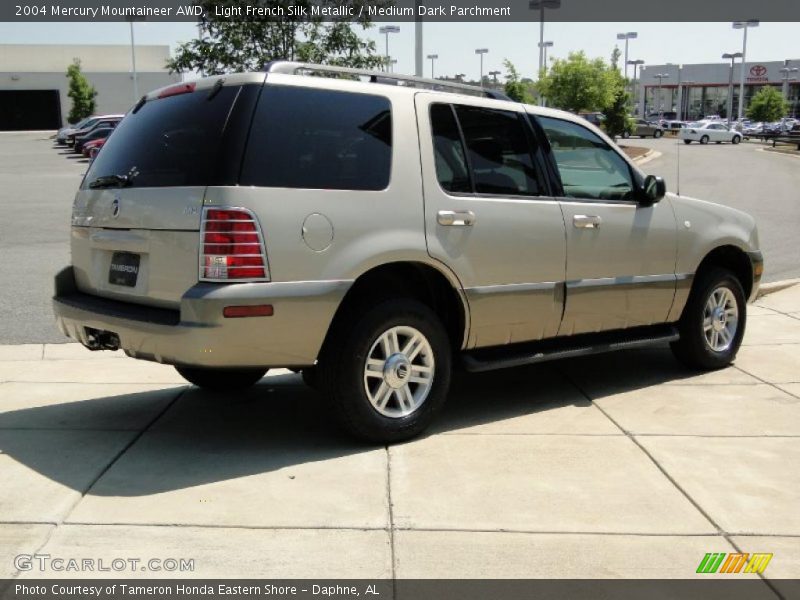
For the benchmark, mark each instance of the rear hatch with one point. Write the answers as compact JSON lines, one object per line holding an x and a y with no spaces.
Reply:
{"x":136,"y":217}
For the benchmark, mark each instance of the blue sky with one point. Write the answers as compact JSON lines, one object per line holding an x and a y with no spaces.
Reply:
{"x":455,"y":43}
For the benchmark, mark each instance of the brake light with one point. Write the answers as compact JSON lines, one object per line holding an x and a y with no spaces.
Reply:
{"x":179,"y":88}
{"x":232,"y":246}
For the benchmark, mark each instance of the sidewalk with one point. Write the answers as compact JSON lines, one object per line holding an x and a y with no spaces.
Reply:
{"x":623,"y":465}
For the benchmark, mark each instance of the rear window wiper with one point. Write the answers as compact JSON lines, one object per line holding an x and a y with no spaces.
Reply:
{"x":107,"y":181}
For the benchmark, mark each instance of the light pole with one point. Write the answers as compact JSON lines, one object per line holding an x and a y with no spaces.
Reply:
{"x":743,"y":25}
{"x":481,"y":52}
{"x":631,"y":35}
{"x":432,"y":57}
{"x":683,"y":106}
{"x":130,"y":21}
{"x":660,"y":77}
{"x":732,"y":56}
{"x":386,"y":30}
{"x":635,"y":64}
{"x":541,"y":5}
{"x":494,"y":75}
{"x":545,"y":46}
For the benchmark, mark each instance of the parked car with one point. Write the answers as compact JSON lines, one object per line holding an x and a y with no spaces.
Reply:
{"x":89,"y":145}
{"x":94,"y":134}
{"x":709,"y":131}
{"x":595,"y":118}
{"x":369,"y":235}
{"x":644,"y":129}
{"x":106,"y":121}
{"x":61,"y":134}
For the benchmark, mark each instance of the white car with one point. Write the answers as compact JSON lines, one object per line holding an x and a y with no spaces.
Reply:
{"x":709,"y":131}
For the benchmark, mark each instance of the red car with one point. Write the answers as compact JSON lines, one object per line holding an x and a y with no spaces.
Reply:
{"x":87,"y":147}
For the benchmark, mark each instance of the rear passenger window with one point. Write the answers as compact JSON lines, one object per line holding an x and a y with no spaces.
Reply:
{"x":451,"y":162}
{"x":498,"y":152}
{"x":319,"y":139}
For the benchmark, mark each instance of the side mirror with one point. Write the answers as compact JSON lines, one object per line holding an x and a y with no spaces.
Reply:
{"x":653,"y":189}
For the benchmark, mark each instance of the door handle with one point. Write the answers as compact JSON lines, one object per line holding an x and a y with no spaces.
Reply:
{"x":456,"y":218}
{"x":586,"y":221}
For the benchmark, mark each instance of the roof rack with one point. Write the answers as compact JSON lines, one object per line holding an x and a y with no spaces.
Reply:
{"x":289,"y":67}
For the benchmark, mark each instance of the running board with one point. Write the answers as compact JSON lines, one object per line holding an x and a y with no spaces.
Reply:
{"x":504,"y":357}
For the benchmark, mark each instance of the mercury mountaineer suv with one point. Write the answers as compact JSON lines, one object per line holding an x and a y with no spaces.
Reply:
{"x":369,"y":230}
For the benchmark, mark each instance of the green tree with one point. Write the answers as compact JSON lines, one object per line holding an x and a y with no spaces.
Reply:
{"x":515,"y":88}
{"x":81,"y":92}
{"x":617,"y":119}
{"x":578,"y":84}
{"x":228,"y":45}
{"x":767,"y":105}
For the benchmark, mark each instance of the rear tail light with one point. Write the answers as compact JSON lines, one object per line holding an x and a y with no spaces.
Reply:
{"x":232,"y":246}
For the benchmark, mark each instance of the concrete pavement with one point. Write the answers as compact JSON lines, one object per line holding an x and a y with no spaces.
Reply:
{"x":624,"y":465}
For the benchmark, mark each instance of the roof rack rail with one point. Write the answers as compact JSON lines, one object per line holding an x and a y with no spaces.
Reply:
{"x":289,"y":67}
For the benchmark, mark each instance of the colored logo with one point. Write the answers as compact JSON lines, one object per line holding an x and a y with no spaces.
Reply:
{"x":736,"y":562}
{"x":758,"y":70}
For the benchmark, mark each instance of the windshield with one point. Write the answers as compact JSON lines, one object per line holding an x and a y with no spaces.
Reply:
{"x":172,"y":141}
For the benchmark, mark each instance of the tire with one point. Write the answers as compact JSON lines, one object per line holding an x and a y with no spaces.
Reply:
{"x":736,"y":139}
{"x":701,"y":349}
{"x":657,"y":134}
{"x":704,"y":139}
{"x":687,"y":142}
{"x":368,"y":403}
{"x":625,"y":135}
{"x":221,"y":380}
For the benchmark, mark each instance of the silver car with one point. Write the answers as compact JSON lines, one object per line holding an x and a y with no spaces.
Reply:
{"x":369,"y":230}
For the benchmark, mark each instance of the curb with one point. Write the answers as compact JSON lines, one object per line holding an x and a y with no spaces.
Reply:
{"x":776,"y":286}
{"x":646,"y":157}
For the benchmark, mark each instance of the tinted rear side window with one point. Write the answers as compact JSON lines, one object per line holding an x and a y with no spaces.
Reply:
{"x":319,"y":139}
{"x":451,"y":162}
{"x":498,"y":151}
{"x":172,"y":141}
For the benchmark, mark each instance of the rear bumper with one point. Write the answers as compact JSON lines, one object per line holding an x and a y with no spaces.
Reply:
{"x":197,"y":333}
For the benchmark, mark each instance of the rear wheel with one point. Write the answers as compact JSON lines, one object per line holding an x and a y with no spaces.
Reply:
{"x":221,"y":380}
{"x":704,"y":139}
{"x":626,"y":135}
{"x":713,"y":322}
{"x":388,"y":372}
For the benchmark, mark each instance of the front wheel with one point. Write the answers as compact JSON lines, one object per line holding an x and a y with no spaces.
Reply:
{"x":387,"y":374}
{"x":704,"y":139}
{"x":713,"y":321}
{"x":626,"y":135}
{"x":687,"y":142}
{"x":736,"y":139}
{"x":657,"y":133}
{"x":221,"y":379}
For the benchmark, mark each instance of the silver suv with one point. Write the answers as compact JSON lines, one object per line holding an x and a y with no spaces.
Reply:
{"x":369,"y":230}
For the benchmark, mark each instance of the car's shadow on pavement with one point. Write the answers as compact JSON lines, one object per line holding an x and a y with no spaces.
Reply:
{"x":192,"y":437}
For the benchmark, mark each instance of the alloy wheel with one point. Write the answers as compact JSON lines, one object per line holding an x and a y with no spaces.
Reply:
{"x":399,"y":370}
{"x":720,"y":319}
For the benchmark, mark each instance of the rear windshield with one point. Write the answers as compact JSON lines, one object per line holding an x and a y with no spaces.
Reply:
{"x":168,"y":142}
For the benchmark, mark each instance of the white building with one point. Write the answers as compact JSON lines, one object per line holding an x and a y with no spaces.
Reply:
{"x":694,"y":91}
{"x":33,"y":82}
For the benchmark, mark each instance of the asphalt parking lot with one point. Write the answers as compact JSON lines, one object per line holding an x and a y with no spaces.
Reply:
{"x":39,"y":181}
{"x":623,"y":465}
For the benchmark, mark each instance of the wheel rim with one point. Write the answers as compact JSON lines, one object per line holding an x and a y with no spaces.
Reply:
{"x":720,"y":319}
{"x":398,"y":373}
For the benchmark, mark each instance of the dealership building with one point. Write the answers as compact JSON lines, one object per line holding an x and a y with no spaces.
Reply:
{"x":33,"y":82}
{"x":694,"y":91}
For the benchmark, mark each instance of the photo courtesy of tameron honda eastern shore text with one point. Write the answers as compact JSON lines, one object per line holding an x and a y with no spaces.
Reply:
{"x":372,"y":230}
